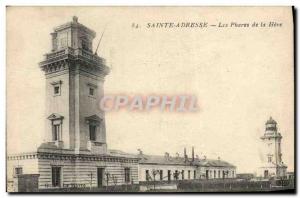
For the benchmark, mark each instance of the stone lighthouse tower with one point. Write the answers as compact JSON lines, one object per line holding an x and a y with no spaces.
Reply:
{"x":74,"y":85}
{"x":273,"y":165}
{"x":74,"y":153}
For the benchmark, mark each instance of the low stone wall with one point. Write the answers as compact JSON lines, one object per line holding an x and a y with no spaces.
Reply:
{"x":24,"y":183}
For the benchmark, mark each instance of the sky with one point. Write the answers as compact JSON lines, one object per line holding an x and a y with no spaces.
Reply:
{"x":240,"y":76}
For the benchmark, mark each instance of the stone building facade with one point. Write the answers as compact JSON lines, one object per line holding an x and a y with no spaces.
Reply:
{"x":170,"y":168}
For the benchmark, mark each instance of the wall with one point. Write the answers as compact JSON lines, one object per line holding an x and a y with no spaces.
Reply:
{"x":272,"y":171}
{"x":79,"y":170}
{"x":211,"y":170}
{"x":58,"y":104}
{"x":28,"y":165}
{"x":165,"y":168}
{"x":270,"y":148}
{"x":88,"y":106}
{"x":75,"y":170}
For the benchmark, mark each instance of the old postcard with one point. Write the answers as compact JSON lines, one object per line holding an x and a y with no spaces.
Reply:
{"x":150,"y":99}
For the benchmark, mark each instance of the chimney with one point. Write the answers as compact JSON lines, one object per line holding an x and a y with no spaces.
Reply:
{"x":75,"y":19}
{"x":185,"y":155}
{"x":140,"y":152}
{"x":193,"y":154}
{"x":167,"y":155}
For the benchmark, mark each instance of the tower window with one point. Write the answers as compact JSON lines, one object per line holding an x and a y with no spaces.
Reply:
{"x":93,"y":132}
{"x":63,"y":42}
{"x":18,"y":170}
{"x":85,"y":45}
{"x":93,"y":127}
{"x":56,"y":126}
{"x":56,"y":132}
{"x":269,"y":158}
{"x":56,"y":90}
{"x":56,"y":87}
{"x":92,"y":88}
{"x":91,"y":91}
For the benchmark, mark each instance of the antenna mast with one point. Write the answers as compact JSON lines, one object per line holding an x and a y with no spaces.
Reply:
{"x":100,"y":40}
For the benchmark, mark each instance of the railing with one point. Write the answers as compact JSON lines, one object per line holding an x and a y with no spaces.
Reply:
{"x":75,"y":52}
{"x":112,"y":188}
{"x":55,"y":54}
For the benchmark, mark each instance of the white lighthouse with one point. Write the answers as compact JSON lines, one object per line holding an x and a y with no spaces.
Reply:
{"x":272,"y":164}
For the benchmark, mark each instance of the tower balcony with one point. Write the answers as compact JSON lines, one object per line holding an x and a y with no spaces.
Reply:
{"x":271,"y":135}
{"x":72,"y":53}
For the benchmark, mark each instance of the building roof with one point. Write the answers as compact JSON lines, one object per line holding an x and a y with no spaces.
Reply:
{"x":271,"y":121}
{"x":119,"y":153}
{"x":74,"y":23}
{"x":168,"y":160}
{"x":214,"y":163}
{"x":158,"y":159}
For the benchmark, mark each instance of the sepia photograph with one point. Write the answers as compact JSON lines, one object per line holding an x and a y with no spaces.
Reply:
{"x":162,"y":99}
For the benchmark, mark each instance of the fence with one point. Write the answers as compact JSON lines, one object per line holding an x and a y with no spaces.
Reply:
{"x":233,"y":185}
{"x":222,"y":185}
{"x":119,"y":188}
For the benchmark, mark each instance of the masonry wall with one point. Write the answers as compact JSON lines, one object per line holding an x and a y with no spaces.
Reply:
{"x":217,"y":172}
{"x":83,"y":173}
{"x":75,"y":171}
{"x":272,"y":172}
{"x":165,"y":168}
{"x":29,"y":166}
{"x":58,"y":104}
{"x":87,"y":106}
{"x":213,"y":172}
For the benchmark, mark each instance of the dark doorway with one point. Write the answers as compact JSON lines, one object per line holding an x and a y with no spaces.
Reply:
{"x":169,"y":175}
{"x":266,"y":173}
{"x":206,"y":175}
{"x":56,"y":174}
{"x":100,"y":172}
